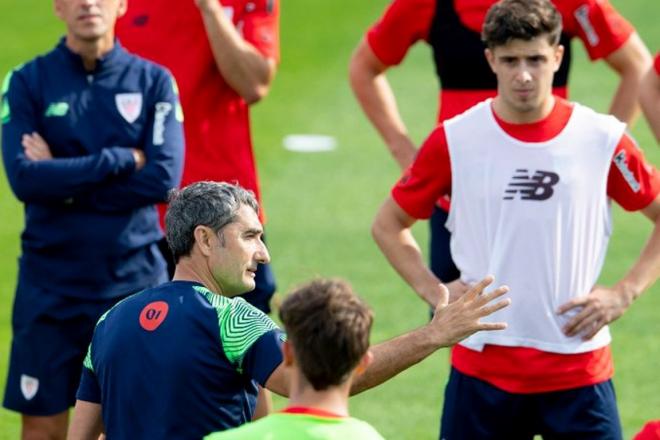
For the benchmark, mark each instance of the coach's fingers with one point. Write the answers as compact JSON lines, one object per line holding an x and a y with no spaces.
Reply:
{"x":490,"y":326}
{"x":489,"y":310}
{"x":490,"y":296}
{"x":478,"y":288}
{"x":443,"y":300}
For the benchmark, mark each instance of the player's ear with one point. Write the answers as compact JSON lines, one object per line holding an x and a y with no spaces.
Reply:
{"x":490,"y":57}
{"x":123,"y":6}
{"x":366,"y":360}
{"x":559,"y":55}
{"x":204,"y":239}
{"x":287,"y":353}
{"x":57,"y":7}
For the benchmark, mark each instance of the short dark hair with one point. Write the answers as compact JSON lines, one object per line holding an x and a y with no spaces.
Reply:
{"x":328,"y":326}
{"x":525,"y":20}
{"x":212,"y":204}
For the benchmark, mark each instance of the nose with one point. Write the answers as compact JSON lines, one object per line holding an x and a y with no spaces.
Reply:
{"x":523,"y":75}
{"x":262,"y":255}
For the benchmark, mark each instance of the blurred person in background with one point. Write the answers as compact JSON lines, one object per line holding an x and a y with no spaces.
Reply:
{"x":90,"y":142}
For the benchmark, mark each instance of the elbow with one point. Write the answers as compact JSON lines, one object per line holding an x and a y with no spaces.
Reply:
{"x":256,"y":93}
{"x":258,"y":88}
{"x":22,"y":189}
{"x":356,"y":73}
{"x":378,"y":230}
{"x":165,"y":183}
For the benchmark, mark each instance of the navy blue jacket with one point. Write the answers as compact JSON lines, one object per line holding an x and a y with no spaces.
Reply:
{"x":90,"y":220}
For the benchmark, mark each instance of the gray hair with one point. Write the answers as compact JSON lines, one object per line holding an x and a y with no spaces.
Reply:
{"x":212,"y":204}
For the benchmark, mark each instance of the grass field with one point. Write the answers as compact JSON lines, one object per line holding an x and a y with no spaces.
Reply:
{"x":320,"y":206}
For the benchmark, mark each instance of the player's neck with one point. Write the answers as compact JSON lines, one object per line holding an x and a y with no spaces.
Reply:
{"x":90,"y":50}
{"x":509,"y":114}
{"x":333,"y":399}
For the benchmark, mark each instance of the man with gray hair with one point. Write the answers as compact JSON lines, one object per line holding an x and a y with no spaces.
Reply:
{"x":184,"y":359}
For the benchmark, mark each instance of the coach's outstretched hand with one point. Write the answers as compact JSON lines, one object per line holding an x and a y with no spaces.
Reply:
{"x":459,"y":319}
{"x":450,"y":324}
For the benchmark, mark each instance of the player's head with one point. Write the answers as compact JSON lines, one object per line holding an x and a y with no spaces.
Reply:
{"x":217,"y":226}
{"x":522,"y":40}
{"x":327,"y":328}
{"x":90,"y":20}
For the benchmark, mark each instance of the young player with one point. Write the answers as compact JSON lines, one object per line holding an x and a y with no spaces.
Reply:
{"x":452,"y":28}
{"x":530,"y":176}
{"x":184,"y":359}
{"x":327,"y":345}
{"x":90,"y":141}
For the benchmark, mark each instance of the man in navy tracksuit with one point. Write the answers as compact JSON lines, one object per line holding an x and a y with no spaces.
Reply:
{"x":91,"y":140}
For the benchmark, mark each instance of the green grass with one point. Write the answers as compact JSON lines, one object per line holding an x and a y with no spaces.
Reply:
{"x":320,"y":206}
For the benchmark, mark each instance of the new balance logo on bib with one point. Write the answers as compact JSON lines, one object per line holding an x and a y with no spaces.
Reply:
{"x":531,"y":186}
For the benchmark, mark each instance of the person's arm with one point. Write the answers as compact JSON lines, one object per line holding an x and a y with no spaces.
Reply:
{"x":649,"y":97}
{"x":163,"y":151}
{"x":87,"y":423}
{"x":280,"y":380}
{"x":635,"y":185}
{"x":391,"y":230}
{"x":631,"y":61}
{"x":606,"y":304}
{"x":33,"y":174}
{"x":373,"y":92}
{"x":241,"y":64}
{"x":451,"y":323}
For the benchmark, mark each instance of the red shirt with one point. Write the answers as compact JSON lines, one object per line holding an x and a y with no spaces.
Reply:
{"x":650,"y":431}
{"x":217,"y":127}
{"x":656,"y":63}
{"x":429,"y":178}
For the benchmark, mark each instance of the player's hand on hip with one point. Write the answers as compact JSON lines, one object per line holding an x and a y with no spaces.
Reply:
{"x":35,"y":147}
{"x":458,"y":320}
{"x":597,"y":309}
{"x":457,"y":289}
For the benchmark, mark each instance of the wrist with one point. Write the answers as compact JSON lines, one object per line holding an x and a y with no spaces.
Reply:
{"x":629,"y":292}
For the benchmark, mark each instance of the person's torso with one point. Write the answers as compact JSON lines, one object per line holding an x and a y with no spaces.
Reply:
{"x":163,"y":367}
{"x":536,"y":216}
{"x":81,"y":250}
{"x":216,"y":118}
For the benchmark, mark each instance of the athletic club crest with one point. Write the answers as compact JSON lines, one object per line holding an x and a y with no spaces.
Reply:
{"x":129,"y":105}
{"x":29,"y":386}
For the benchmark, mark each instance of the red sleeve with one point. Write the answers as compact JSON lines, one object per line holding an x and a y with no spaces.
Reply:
{"x":632,"y":182}
{"x":261,"y":27}
{"x":403,"y":24}
{"x":427,"y":179}
{"x":600,"y":27}
{"x":656,"y":64}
